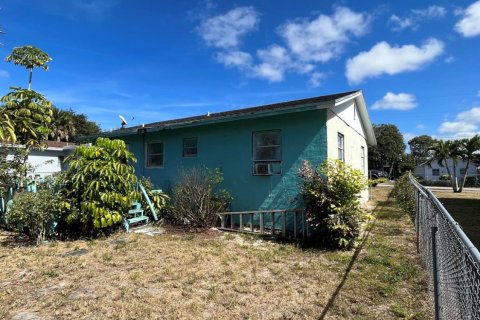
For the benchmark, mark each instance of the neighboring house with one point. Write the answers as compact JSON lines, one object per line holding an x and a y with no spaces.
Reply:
{"x":49,"y":161}
{"x":434,"y":170}
{"x":259,"y":149}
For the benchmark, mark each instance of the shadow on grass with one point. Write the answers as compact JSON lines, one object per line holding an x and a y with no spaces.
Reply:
{"x":357,"y":252}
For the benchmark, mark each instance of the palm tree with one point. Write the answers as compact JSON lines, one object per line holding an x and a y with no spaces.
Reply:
{"x":442,"y":151}
{"x":63,"y":124}
{"x":468,"y":148}
{"x":455,"y":153}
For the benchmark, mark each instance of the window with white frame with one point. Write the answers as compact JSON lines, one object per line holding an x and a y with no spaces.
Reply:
{"x":341,"y":146}
{"x":155,"y":153}
{"x":362,"y":154}
{"x":267,"y":152}
{"x":435,"y":172}
{"x":190,"y":147}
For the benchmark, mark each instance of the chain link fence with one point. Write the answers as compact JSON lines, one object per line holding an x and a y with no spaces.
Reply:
{"x":452,"y":261}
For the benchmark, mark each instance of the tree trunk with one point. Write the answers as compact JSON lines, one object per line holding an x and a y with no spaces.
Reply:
{"x":30,"y":79}
{"x":455,"y":189}
{"x":391,"y":171}
{"x":450,"y":175}
{"x":464,"y":176}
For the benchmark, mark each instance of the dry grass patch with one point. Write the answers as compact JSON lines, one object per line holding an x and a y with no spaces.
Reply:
{"x":217,"y":276}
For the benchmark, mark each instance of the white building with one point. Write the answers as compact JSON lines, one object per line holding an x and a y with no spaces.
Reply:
{"x":45,"y":163}
{"x":434,"y":170}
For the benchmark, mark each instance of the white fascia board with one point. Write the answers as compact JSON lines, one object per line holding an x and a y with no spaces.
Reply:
{"x":362,"y":110}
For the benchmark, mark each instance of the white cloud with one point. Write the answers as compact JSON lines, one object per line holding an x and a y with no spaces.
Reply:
{"x":449,"y":59}
{"x":324,"y":38}
{"x":316,"y":79}
{"x":275,"y":61}
{"x":407,"y":136}
{"x":415,"y":17}
{"x":308,"y":42}
{"x":421,"y":127}
{"x":400,"y":101}
{"x":4,"y":74}
{"x":385,"y":59}
{"x":225,"y":30}
{"x":469,"y":24}
{"x":238,"y":59}
{"x":466,"y":124}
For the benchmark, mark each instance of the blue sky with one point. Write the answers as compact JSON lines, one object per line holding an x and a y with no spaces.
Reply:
{"x":416,"y":61}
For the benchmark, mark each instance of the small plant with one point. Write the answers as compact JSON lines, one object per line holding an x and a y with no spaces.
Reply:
{"x":375,"y":182}
{"x":331,"y":197}
{"x":197,"y":199}
{"x":158,"y":199}
{"x":35,"y":212}
{"x":404,"y":193}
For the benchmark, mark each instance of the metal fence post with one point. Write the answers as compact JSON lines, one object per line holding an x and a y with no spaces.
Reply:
{"x":417,"y":222}
{"x":436,"y":276}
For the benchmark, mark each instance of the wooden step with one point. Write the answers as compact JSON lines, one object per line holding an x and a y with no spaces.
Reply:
{"x":135,"y":212}
{"x":137,"y":219}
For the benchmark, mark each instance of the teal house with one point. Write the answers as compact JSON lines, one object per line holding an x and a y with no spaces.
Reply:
{"x":258,"y":149}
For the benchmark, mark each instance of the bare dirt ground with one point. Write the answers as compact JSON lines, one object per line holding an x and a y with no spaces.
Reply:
{"x":181,"y":275}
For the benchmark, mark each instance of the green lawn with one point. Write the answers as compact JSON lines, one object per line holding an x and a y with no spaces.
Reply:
{"x":465,"y":209}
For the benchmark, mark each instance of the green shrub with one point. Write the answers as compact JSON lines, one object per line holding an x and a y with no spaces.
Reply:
{"x":444,"y":177}
{"x":100,"y":184}
{"x":35,"y":212}
{"x":332,"y":202}
{"x":158,"y":199}
{"x":197,"y":199}
{"x":471,"y":181}
{"x":375,"y":182}
{"x":404,"y":193}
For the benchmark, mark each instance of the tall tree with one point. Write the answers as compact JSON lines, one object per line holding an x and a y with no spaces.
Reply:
{"x":442,"y":152}
{"x":389,"y":149}
{"x":63,"y":125}
{"x":29,"y":57}
{"x":420,"y":148}
{"x":68,"y":125}
{"x":84,"y":126}
{"x":29,"y":113}
{"x":468,"y":148}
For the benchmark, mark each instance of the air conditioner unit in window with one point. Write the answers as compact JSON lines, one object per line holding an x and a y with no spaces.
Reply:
{"x":262,"y":168}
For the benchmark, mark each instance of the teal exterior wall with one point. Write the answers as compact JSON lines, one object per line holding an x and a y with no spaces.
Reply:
{"x":228,"y":146}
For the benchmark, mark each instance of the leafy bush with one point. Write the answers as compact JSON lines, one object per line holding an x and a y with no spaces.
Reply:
{"x":100,"y":183}
{"x":35,"y":212}
{"x":444,"y":177}
{"x":332,"y":202}
{"x":375,"y":182}
{"x":196,"y":198}
{"x":158,"y":199}
{"x":404,"y":193}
